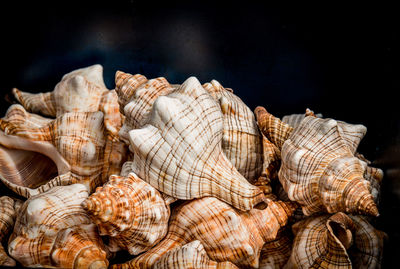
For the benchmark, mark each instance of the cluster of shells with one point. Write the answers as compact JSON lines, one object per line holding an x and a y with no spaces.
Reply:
{"x":180,"y":176}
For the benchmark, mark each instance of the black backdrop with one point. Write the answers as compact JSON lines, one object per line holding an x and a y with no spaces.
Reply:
{"x":339,"y":60}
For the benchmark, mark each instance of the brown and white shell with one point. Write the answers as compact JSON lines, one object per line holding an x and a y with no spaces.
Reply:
{"x":336,"y":241}
{"x":52,"y":230}
{"x":130,"y":211}
{"x":226,"y":233}
{"x":319,"y":169}
{"x":241,"y":140}
{"x":7,"y":219}
{"x":179,"y":151}
{"x":276,"y":253}
{"x":190,"y":256}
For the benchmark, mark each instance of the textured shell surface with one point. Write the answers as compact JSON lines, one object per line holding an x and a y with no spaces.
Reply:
{"x":7,"y":219}
{"x":130,"y":211}
{"x":336,"y":241}
{"x":179,"y":151}
{"x":226,"y":233}
{"x":136,"y":96}
{"x":275,"y":254}
{"x":190,"y":256}
{"x":241,"y":140}
{"x":52,"y":230}
{"x":319,"y":169}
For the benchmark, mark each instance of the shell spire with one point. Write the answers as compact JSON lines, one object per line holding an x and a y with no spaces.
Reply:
{"x":273,"y":128}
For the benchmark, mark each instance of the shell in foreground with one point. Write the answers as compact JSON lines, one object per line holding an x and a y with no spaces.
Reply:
{"x":52,"y":230}
{"x":319,"y":169}
{"x":7,"y":219}
{"x":130,"y":211}
{"x":179,"y":151}
{"x":226,"y":233}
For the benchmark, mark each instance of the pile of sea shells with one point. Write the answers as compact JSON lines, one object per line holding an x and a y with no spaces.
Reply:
{"x":180,"y":176}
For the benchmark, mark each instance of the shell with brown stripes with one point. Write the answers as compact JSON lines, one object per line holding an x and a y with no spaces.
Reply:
{"x":336,"y":241}
{"x":130,"y":211}
{"x":7,"y":219}
{"x":319,"y":169}
{"x":179,"y":151}
{"x":52,"y":230}
{"x":226,"y":233}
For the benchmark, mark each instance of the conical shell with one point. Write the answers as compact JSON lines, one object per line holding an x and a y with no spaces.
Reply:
{"x":7,"y":219}
{"x":136,"y":96}
{"x":276,"y":253}
{"x":190,"y":256}
{"x":130,"y":211}
{"x":241,"y":140}
{"x":226,"y":233}
{"x":179,"y":151}
{"x":53,"y":230}
{"x":336,"y":241}
{"x":78,"y":137}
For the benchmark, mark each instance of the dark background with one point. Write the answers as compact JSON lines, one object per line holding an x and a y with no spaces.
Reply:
{"x":339,"y":60}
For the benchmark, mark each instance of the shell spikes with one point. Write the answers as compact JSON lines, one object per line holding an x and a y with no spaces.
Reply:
{"x":179,"y":151}
{"x":130,"y":211}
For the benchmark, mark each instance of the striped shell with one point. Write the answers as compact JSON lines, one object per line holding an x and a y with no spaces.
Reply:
{"x":179,"y":151}
{"x":226,"y":233}
{"x":52,"y":230}
{"x":319,"y":169}
{"x":78,"y":137}
{"x":130,"y":211}
{"x":276,"y":253}
{"x":241,"y":140}
{"x":136,"y":96}
{"x":190,"y":256}
{"x":336,"y":241}
{"x":7,"y":219}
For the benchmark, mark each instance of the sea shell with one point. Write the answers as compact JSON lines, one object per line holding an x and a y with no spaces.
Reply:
{"x":226,"y":233}
{"x":294,"y":120}
{"x":241,"y":140}
{"x":78,"y":137}
{"x":190,"y":256}
{"x":52,"y":230}
{"x":276,"y":253}
{"x":179,"y":151}
{"x":7,"y":219}
{"x":136,"y":96}
{"x":319,"y":169}
{"x":130,"y":211}
{"x":336,"y":241}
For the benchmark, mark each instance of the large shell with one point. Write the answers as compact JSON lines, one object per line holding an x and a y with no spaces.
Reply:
{"x":319,"y":169}
{"x":130,"y":211}
{"x":78,"y":137}
{"x":179,"y":151}
{"x":7,"y":219}
{"x":226,"y":233}
{"x":337,"y":241}
{"x":136,"y":96}
{"x":53,"y":230}
{"x":190,"y":256}
{"x":241,"y":140}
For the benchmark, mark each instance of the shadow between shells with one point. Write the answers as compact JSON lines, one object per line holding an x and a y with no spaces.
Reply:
{"x":180,"y":176}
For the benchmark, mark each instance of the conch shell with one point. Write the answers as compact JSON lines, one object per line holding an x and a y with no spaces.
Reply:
{"x":190,"y":256}
{"x":7,"y":219}
{"x":226,"y":233}
{"x":130,"y":211}
{"x":241,"y":140}
{"x":52,"y":230}
{"x":276,"y":253}
{"x":319,"y":169}
{"x":179,"y":151}
{"x":336,"y":241}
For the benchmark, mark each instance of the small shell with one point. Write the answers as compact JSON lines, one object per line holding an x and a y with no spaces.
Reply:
{"x":241,"y":140}
{"x":136,"y":96}
{"x":53,"y":230}
{"x":7,"y":219}
{"x":319,"y":169}
{"x":339,"y":240}
{"x":179,"y":151}
{"x":227,"y":234}
{"x":190,"y":256}
{"x":130,"y":211}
